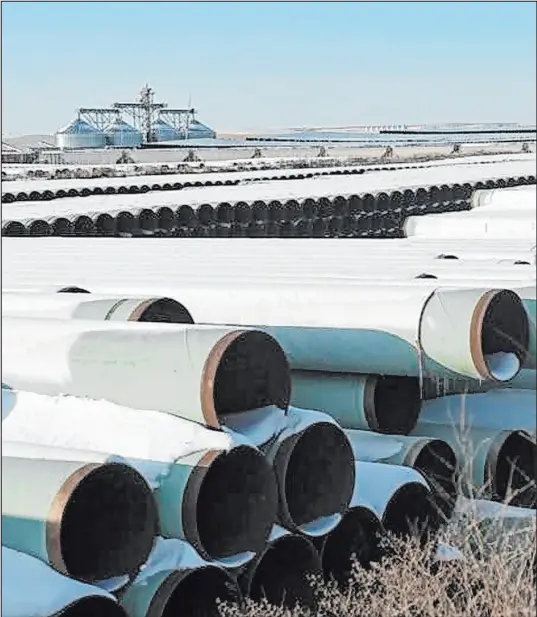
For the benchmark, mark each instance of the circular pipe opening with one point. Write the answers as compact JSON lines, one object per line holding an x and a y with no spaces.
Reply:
{"x":276,"y":211}
{"x":317,"y":467}
{"x":92,"y":606}
{"x":166,"y":219}
{"x":243,"y":212}
{"x":194,"y":593}
{"x":260,"y":211}
{"x":326,"y":207}
{"x":22,"y":197}
{"x":61,"y":227}
{"x":292,"y":210}
{"x":8,"y":198}
{"x":73,"y":289}
{"x":14,"y":228}
{"x":281,"y":575}
{"x":392,"y":404}
{"x":84,"y":226}
{"x":446,"y":256}
{"x":98,"y":190}
{"x":368,"y":202}
{"x":147,"y":222}
{"x":410,"y":512}
{"x":437,"y":462}
{"x":105,"y":225}
{"x":252,"y":372}
{"x":206,"y":215}
{"x":341,"y":206}
{"x":513,"y":470}
{"x":425,"y":275}
{"x":357,"y":537}
{"x":165,"y":310}
{"x":185,"y":215}
{"x":224,"y":213}
{"x":230,"y":503}
{"x":504,"y":330}
{"x":72,"y":193}
{"x":107,"y":524}
{"x":309,"y":208}
{"x":125,"y":224}
{"x":39,"y":228}
{"x":355,"y":204}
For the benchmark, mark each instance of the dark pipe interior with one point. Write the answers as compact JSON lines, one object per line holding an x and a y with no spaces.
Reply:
{"x":224,"y":213}
{"x":166,"y":218}
{"x":446,"y":256}
{"x":253,"y":372}
{"x":105,"y":224}
{"x":236,"y":505}
{"x":72,"y":289}
{"x":14,"y":228}
{"x":506,"y":326}
{"x":84,"y":226}
{"x":281,"y":576}
{"x":39,"y":228}
{"x":515,"y":471}
{"x":196,"y":593}
{"x":147,"y":221}
{"x":185,"y":215}
{"x":437,"y":463}
{"x":397,"y":404}
{"x":93,"y":606}
{"x":356,"y":537}
{"x":319,"y":478}
{"x":426,"y":275}
{"x":108,"y":525}
{"x":166,"y":310}
{"x":410,"y":512}
{"x":206,"y":214}
{"x":125,"y":223}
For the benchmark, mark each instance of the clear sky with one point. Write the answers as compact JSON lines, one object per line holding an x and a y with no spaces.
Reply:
{"x":261,"y":65}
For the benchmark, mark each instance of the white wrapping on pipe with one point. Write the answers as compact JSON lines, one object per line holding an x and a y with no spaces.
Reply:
{"x":505,"y":199}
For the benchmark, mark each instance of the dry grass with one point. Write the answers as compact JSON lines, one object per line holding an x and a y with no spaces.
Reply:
{"x":495,"y":579}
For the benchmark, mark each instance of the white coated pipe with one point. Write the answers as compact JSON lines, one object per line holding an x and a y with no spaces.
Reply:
{"x":505,"y":199}
{"x":23,"y":449}
{"x":517,"y":224}
{"x":196,"y":372}
{"x":92,"y":306}
{"x":31,"y":587}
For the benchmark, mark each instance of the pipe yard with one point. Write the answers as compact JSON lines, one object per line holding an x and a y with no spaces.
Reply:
{"x":190,"y":418}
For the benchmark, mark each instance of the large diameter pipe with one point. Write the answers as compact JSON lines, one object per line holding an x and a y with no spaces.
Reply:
{"x":497,"y":464}
{"x":176,"y":581}
{"x":357,"y":538}
{"x":385,"y":404}
{"x":221,"y":499}
{"x":91,"y":306}
{"x":433,"y":458}
{"x":507,"y":409}
{"x":280,"y":573}
{"x":31,"y":587}
{"x":198,"y":372}
{"x":398,"y":495}
{"x":92,"y":521}
{"x":357,"y":329}
{"x":313,"y":463}
{"x":505,"y":199}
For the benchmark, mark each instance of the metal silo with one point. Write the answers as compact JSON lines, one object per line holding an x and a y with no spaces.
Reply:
{"x":122,"y":135}
{"x":79,"y":134}
{"x":197,"y":130}
{"x":161,"y":131}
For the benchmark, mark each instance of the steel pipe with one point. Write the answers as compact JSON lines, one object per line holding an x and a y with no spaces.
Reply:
{"x":384,"y":404}
{"x":176,"y":581}
{"x":497,"y":464}
{"x":52,"y":509}
{"x":203,"y":372}
{"x":280,"y":573}
{"x":399,"y":496}
{"x":505,"y":199}
{"x":30,"y":587}
{"x":357,"y":537}
{"x":433,"y":458}
{"x":13,"y":228}
{"x":313,"y":463}
{"x":91,"y":306}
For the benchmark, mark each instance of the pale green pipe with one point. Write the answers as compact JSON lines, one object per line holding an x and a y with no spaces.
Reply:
{"x":437,"y":387}
{"x":180,"y":592}
{"x":483,"y":457}
{"x":222,"y":484}
{"x":50,"y":510}
{"x":383,"y":404}
{"x":433,"y":458}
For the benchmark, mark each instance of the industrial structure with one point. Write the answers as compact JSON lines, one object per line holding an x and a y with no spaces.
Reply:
{"x":149,"y":122}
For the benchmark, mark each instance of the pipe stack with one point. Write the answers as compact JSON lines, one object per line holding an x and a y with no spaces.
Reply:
{"x":252,"y":422}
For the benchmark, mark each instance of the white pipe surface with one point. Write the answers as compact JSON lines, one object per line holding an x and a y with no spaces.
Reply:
{"x":168,"y":367}
{"x":506,"y":199}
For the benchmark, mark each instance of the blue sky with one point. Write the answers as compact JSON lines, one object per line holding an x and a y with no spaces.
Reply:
{"x":255,"y":65}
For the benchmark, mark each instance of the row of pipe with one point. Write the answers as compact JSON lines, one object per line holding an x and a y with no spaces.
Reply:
{"x":138,"y":185}
{"x":368,"y":215}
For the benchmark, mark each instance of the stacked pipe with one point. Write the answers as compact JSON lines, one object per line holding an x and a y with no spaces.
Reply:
{"x":356,"y":213}
{"x":354,"y":451}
